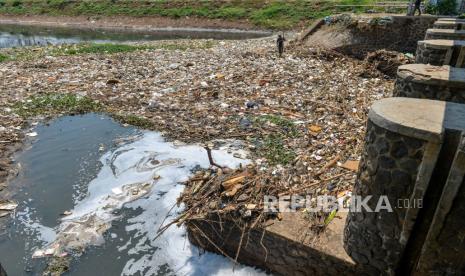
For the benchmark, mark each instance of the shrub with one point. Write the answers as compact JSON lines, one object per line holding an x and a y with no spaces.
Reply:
{"x":446,"y":7}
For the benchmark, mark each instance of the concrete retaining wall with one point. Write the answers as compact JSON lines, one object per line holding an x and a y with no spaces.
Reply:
{"x":389,"y":166}
{"x":277,"y":249}
{"x":393,"y":33}
{"x":453,"y":25}
{"x":430,"y":82}
{"x":409,"y":155}
{"x":441,"y":52}
{"x":445,"y":34}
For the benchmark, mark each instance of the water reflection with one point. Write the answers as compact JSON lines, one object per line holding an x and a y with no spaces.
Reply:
{"x":20,"y":36}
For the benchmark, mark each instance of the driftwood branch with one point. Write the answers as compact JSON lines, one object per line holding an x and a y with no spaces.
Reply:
{"x":210,"y":158}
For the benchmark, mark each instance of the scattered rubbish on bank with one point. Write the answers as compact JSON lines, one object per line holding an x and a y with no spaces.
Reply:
{"x":386,"y":62}
{"x":7,"y":205}
{"x":295,"y":118}
{"x":351,"y":165}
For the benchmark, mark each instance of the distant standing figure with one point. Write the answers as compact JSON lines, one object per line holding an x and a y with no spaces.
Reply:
{"x":280,"y":43}
{"x":417,"y":7}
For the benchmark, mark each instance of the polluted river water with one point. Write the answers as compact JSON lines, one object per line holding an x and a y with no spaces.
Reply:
{"x":12,"y":35}
{"x":96,"y":192}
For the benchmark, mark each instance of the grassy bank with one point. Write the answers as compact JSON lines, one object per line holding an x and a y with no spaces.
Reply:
{"x":262,"y":13}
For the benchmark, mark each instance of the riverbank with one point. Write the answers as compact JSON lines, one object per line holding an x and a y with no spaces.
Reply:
{"x":295,"y":114}
{"x":300,"y":117}
{"x":124,"y":23}
{"x":261,"y":14}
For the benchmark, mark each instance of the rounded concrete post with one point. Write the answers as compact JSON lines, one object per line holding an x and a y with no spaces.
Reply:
{"x":445,"y":34}
{"x":407,"y":147}
{"x":453,"y":25}
{"x":441,"y":52}
{"x":450,"y":19}
{"x":424,"y":81}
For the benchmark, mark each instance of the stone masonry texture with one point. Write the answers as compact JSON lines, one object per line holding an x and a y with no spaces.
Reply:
{"x":389,"y":166}
{"x":371,"y":37}
{"x":455,"y":35}
{"x":428,"y":55}
{"x":449,"y":251}
{"x":266,"y":250}
{"x":407,"y":87}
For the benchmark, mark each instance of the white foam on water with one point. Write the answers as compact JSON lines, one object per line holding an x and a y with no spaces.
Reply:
{"x":34,"y":229}
{"x":149,"y":160}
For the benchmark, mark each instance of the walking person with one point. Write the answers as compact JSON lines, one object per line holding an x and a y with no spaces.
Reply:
{"x":280,"y":44}
{"x":417,"y":7}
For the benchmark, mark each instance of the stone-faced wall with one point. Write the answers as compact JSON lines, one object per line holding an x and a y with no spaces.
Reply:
{"x":439,"y":52}
{"x":423,"y":81}
{"x":430,"y":55}
{"x":389,"y":166}
{"x":445,"y":34}
{"x":414,"y":151}
{"x":449,"y":25}
{"x":268,"y":249}
{"x":445,"y":250}
{"x":396,"y":33}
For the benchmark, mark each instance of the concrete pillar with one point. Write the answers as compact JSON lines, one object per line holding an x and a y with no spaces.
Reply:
{"x":407,"y":158}
{"x":445,"y":34}
{"x":441,"y":52}
{"x":453,"y":25}
{"x":451,"y":19}
{"x":424,"y":81}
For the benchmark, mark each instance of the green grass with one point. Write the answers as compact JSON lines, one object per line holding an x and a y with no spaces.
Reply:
{"x":3,"y":57}
{"x":273,"y":146}
{"x":275,"y":14}
{"x":31,"y":53}
{"x":134,"y":120}
{"x":285,"y":126}
{"x":275,"y":151}
{"x":54,"y":103}
{"x":99,"y":49}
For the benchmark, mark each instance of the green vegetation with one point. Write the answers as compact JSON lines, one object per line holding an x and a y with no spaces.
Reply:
{"x":444,"y":7}
{"x":447,"y":7}
{"x":109,"y":48}
{"x":134,"y":120}
{"x":99,"y":49}
{"x":285,"y":126}
{"x":30,"y":53}
{"x":54,"y":103}
{"x":275,"y":151}
{"x":273,"y":146}
{"x":277,"y":14}
{"x":3,"y":57}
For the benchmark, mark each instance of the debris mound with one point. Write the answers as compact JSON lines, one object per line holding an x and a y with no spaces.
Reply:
{"x":387,"y":62}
